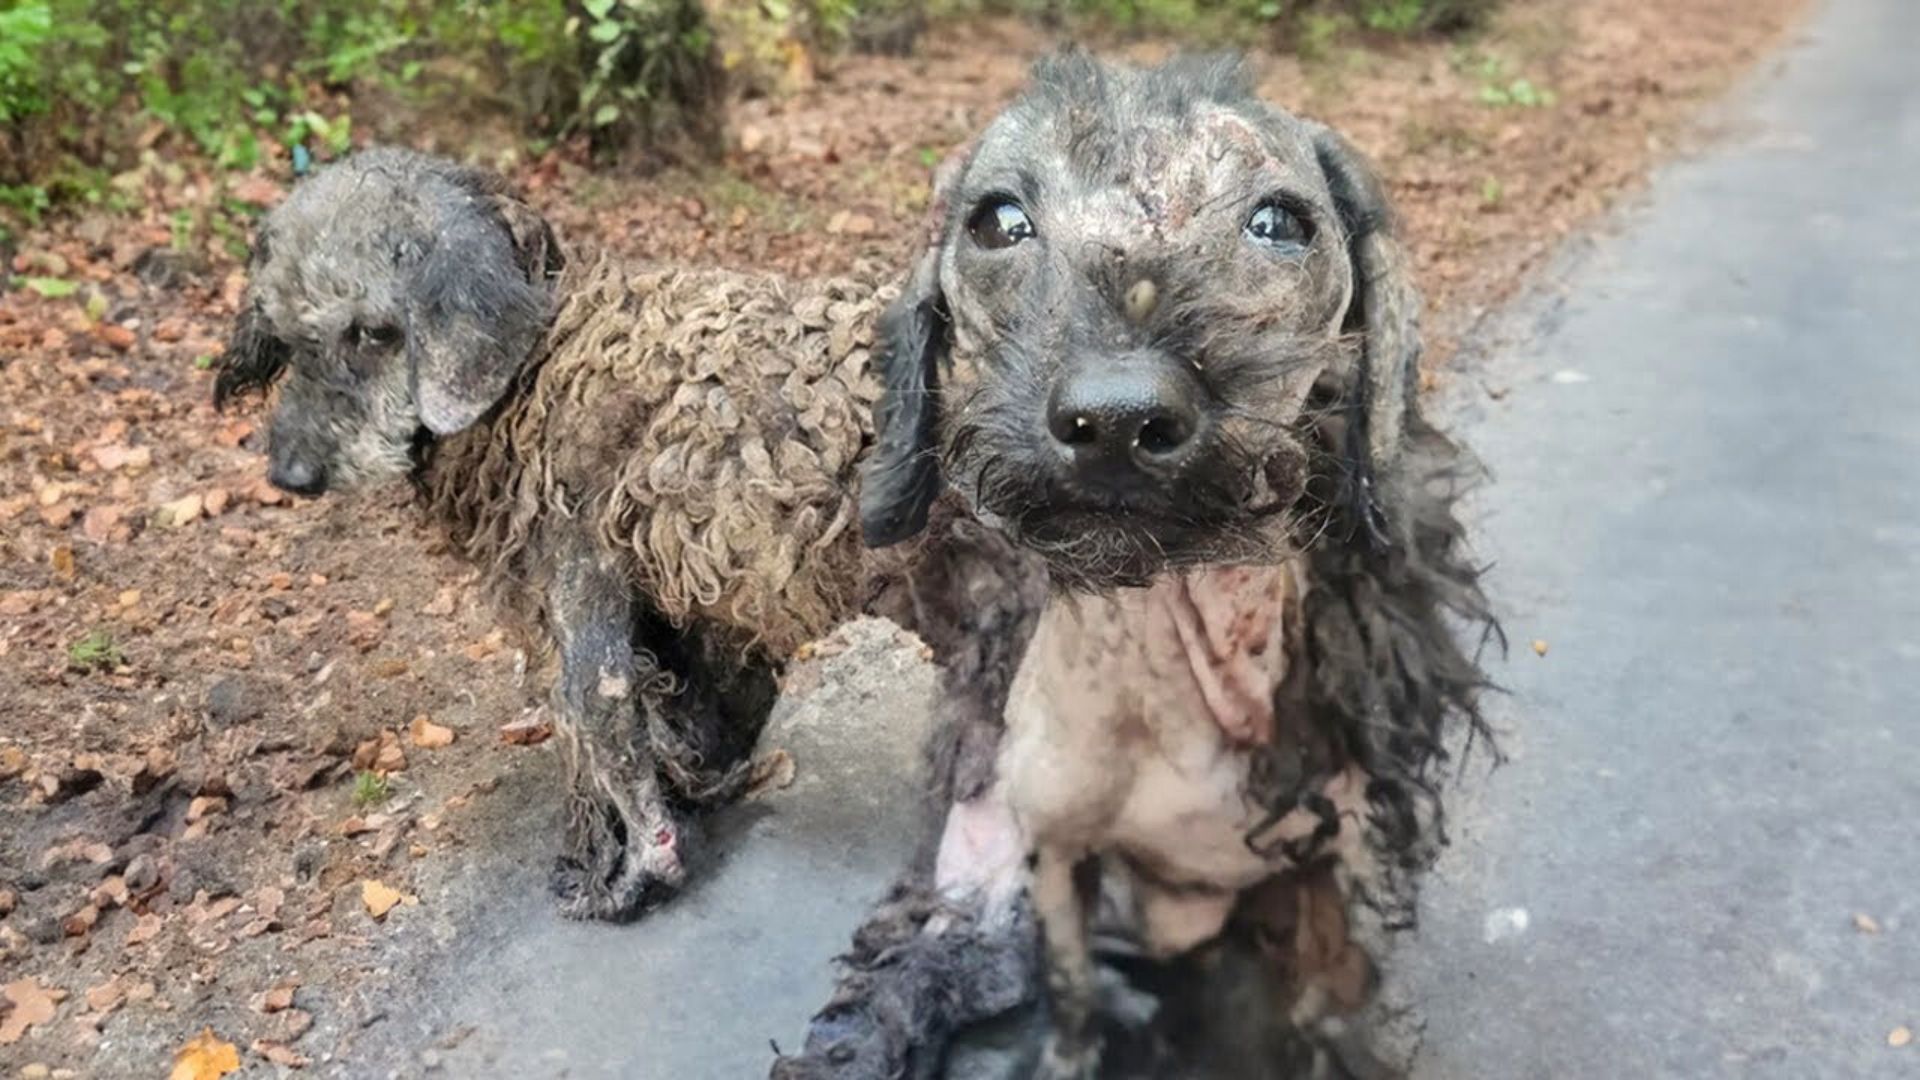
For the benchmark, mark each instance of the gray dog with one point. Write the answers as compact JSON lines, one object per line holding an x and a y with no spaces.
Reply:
{"x":655,"y":467}
{"x":1165,"y":337}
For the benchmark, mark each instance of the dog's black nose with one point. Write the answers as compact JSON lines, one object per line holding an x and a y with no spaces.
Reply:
{"x":1132,"y":413}
{"x":299,"y":476}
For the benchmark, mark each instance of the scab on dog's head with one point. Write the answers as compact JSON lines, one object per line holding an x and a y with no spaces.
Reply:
{"x":1146,"y":290}
{"x":399,"y":295}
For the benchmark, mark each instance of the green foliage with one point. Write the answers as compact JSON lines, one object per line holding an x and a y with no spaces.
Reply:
{"x":94,"y":652}
{"x":84,"y":84}
{"x":369,"y":788}
{"x":1500,"y":87}
{"x":51,"y":288}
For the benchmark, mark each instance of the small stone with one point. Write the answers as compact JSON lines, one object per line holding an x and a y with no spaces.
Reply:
{"x":233,"y":700}
{"x":143,"y":874}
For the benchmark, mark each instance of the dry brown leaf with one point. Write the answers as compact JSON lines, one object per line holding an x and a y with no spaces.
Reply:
{"x":182,"y":511}
{"x":32,"y":1004}
{"x":429,"y":735}
{"x":280,"y":1054}
{"x":531,"y":729}
{"x":771,"y":772}
{"x":205,"y":1057}
{"x":115,"y":335}
{"x":121,"y":456}
{"x":145,"y":928}
{"x":274,"y":1000}
{"x":108,"y":996}
{"x":64,"y":567}
{"x":381,"y":898}
{"x":80,"y":923}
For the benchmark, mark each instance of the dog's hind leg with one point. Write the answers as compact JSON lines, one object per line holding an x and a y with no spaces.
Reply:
{"x":623,"y":849}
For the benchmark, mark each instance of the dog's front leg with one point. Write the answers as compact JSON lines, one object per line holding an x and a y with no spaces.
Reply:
{"x":622,"y":844}
{"x":1063,"y":894}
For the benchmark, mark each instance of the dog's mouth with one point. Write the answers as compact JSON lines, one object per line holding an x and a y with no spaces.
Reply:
{"x":1115,"y":541}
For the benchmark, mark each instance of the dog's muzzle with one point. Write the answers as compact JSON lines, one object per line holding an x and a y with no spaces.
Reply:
{"x":1122,"y":425}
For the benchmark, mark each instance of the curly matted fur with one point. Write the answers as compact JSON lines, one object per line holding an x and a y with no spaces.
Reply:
{"x":656,"y":467}
{"x":1378,"y":683}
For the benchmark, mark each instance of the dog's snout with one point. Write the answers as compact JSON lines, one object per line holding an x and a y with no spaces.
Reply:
{"x":1135,"y":413}
{"x":298,"y":475}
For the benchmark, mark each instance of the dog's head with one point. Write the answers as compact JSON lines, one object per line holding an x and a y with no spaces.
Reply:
{"x":1151,"y":303}
{"x":400,"y":294}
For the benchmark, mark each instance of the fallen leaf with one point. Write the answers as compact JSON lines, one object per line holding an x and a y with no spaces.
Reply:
{"x":771,"y":772}
{"x":429,"y":735}
{"x":116,"y":335}
{"x":531,"y":729}
{"x":1539,"y":647}
{"x":381,"y":898}
{"x":32,"y":1005}
{"x":364,"y":630}
{"x":145,"y":929}
{"x":110,"y":893}
{"x":1866,"y":924}
{"x":107,"y":996}
{"x":274,"y":1000}
{"x":381,"y":754}
{"x":280,"y":1054}
{"x":64,"y":567}
{"x":205,"y":1057}
{"x":81,"y":922}
{"x":182,"y":511}
{"x":1899,"y":1037}
{"x":121,"y":456}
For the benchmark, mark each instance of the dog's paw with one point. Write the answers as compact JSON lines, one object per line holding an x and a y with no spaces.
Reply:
{"x":611,"y":875}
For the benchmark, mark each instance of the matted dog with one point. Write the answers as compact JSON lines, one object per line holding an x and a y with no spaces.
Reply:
{"x":1165,"y":336}
{"x":654,"y":466}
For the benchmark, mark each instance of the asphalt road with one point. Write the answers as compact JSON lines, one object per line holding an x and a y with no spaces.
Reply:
{"x":1705,"y":449}
{"x":1707,"y":507}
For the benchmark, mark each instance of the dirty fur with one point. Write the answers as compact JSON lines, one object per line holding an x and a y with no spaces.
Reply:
{"x":1323,"y":469}
{"x":656,"y":467}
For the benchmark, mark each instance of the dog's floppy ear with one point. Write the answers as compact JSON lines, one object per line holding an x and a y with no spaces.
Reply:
{"x":901,"y":478}
{"x":480,"y":303}
{"x":254,"y":357}
{"x":1386,"y":312}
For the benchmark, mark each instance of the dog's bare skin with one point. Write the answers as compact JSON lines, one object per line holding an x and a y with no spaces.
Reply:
{"x":1167,"y":339}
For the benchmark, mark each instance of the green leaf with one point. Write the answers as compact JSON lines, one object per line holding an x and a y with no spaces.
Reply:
{"x":598,"y":8}
{"x":604,"y":32}
{"x":606,"y":114}
{"x":202,"y":362}
{"x":52,"y":288}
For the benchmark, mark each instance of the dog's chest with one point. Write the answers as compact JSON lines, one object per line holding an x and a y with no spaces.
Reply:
{"x":1135,"y":716}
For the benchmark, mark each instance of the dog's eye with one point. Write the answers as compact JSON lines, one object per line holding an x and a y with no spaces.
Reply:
{"x":380,"y":336}
{"x":1277,"y":226}
{"x":1000,"y":223}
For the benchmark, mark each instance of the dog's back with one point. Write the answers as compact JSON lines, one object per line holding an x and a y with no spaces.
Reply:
{"x":714,"y":420}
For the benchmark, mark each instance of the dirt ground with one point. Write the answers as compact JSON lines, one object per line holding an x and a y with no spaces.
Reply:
{"x":234,"y":726}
